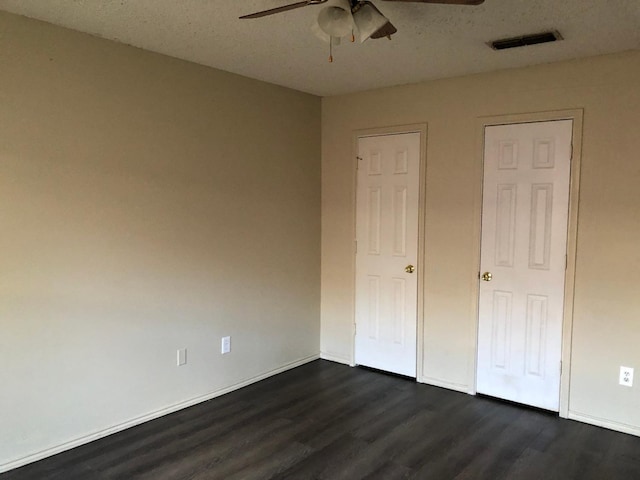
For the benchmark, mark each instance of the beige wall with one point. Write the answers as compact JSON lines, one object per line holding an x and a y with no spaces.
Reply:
{"x":146,"y":204}
{"x":606,"y":332}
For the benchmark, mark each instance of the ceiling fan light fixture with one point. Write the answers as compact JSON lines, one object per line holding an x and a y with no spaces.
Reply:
{"x":341,"y":18}
{"x":336,"y":20}
{"x":368,"y":20}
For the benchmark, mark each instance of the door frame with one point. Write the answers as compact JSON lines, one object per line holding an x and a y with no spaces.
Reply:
{"x":420,"y":128}
{"x":572,"y":230}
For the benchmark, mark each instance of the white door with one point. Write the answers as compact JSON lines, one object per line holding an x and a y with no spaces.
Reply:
{"x":523,"y":261}
{"x":387,"y":252}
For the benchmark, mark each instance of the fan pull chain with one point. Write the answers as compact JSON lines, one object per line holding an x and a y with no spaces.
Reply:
{"x":353,"y":37}
{"x":330,"y":49}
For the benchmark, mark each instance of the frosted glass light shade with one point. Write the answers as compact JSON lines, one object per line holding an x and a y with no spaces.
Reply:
{"x":336,"y":20}
{"x":368,"y":21}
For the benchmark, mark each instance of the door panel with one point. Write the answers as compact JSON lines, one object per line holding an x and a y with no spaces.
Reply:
{"x":524,"y":237}
{"x":387,"y":242}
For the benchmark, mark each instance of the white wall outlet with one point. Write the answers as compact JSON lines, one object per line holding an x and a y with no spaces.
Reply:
{"x":626,"y":376}
{"x":226,"y":345}
{"x":181,"y":356}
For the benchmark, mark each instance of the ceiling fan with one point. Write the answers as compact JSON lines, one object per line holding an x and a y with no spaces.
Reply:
{"x":343,"y":17}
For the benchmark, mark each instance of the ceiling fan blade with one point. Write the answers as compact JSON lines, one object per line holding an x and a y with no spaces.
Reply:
{"x":386,"y":31}
{"x":284,"y":8}
{"x":445,"y":2}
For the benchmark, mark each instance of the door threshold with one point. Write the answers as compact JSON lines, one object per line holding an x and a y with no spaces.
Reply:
{"x":517,"y":404}
{"x":390,"y":374}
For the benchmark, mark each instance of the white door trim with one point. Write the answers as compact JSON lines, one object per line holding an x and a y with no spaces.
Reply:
{"x":420,"y":128}
{"x":576,"y":115}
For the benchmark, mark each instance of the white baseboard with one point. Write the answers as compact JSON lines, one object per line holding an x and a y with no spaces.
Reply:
{"x":5,"y":467}
{"x":602,"y":422}
{"x":334,"y":357}
{"x":436,"y":382}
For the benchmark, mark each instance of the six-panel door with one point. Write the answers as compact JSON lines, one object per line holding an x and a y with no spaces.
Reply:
{"x":523,"y":253}
{"x":386,"y":257}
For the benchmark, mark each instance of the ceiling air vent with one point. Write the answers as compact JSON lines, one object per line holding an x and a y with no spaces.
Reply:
{"x":525,"y":40}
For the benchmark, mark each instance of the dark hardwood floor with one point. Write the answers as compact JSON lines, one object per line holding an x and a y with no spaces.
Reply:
{"x":329,"y":421}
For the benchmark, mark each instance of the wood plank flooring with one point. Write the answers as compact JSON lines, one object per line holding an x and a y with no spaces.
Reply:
{"x":329,"y":421}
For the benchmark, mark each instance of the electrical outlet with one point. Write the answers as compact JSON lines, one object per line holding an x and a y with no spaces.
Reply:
{"x":626,"y":376}
{"x":226,"y":345}
{"x":181,"y":357}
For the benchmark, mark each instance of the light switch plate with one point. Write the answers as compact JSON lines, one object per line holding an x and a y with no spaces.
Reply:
{"x":226,"y":345}
{"x":181,"y":356}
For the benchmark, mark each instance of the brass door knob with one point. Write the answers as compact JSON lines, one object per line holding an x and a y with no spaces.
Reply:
{"x":486,"y":276}
{"x":409,"y":269}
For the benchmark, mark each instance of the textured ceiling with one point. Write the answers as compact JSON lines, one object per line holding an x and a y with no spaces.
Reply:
{"x":433,"y":41}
